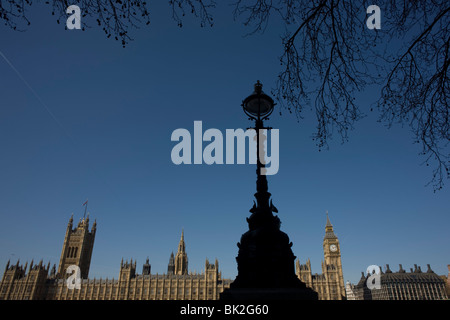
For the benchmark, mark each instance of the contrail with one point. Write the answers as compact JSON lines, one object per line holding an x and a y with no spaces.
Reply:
{"x":36,"y":95}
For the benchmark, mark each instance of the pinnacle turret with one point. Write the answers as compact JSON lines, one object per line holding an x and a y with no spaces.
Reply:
{"x":329,"y":232}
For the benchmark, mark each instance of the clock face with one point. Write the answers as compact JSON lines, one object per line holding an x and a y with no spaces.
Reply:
{"x":333,"y":248}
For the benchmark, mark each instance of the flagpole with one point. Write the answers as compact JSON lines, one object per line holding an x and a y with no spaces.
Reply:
{"x":85,"y":209}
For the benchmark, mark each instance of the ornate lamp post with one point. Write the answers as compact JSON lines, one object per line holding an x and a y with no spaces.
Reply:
{"x":265,"y":260}
{"x":258,"y":107}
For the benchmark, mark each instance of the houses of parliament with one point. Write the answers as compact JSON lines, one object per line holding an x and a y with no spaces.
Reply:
{"x":37,"y":281}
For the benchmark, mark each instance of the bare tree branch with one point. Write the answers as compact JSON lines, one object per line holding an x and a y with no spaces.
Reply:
{"x":12,"y":12}
{"x":417,"y":92}
{"x":116,"y":17}
{"x":331,"y":56}
{"x":198,"y":8}
{"x":328,"y":57}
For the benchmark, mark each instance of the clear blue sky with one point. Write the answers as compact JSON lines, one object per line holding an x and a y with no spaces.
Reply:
{"x":116,"y":109}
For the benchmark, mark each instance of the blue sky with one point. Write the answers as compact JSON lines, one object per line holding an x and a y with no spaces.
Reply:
{"x":116,"y":109}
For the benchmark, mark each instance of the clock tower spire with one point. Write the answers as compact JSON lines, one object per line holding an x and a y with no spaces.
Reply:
{"x":332,"y":264}
{"x":329,"y":232}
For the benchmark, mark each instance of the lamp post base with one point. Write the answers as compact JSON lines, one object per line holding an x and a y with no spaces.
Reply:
{"x":265,"y":261}
{"x":266,"y":268}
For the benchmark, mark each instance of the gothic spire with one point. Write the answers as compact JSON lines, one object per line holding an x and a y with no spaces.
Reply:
{"x":329,"y":233}
{"x":181,"y":245}
{"x":70,"y":224}
{"x":181,"y":260}
{"x":328,"y":222}
{"x":171,"y":266}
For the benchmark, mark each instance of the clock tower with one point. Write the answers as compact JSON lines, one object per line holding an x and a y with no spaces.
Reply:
{"x":332,"y":264}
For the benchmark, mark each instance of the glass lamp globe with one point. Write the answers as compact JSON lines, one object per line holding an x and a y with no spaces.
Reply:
{"x":258,"y":104}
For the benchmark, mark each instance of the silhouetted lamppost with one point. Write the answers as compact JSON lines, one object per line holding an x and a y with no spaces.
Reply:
{"x":265,"y":260}
{"x":259,"y":106}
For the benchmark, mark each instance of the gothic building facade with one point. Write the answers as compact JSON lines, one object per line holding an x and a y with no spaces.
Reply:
{"x":330,"y":283}
{"x":447,"y":281}
{"x":77,"y":247}
{"x":40,"y":282}
{"x":43,"y":283}
{"x":402,"y":285}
